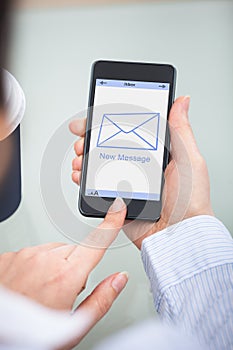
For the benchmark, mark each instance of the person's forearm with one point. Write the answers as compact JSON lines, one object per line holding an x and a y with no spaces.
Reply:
{"x":190,"y":267}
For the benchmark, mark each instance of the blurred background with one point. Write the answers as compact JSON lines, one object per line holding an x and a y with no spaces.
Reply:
{"x":54,"y":44}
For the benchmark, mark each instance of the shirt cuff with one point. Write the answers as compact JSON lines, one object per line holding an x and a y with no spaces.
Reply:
{"x":184,"y":250}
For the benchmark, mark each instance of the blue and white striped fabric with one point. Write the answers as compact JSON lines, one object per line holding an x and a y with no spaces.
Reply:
{"x":190,"y":267}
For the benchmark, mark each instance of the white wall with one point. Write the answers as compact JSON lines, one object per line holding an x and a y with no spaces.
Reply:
{"x":52,"y":54}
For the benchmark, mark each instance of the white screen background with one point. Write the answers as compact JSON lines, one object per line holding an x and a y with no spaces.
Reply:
{"x":120,"y":175}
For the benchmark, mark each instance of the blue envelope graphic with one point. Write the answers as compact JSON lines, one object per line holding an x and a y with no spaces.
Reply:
{"x":129,"y":131}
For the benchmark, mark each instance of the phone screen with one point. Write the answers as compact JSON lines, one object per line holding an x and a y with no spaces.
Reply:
{"x":127,"y":139}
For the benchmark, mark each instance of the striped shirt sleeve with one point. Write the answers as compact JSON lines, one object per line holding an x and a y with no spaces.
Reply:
{"x":190,"y":267}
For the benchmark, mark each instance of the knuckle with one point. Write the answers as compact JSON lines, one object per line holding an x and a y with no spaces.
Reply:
{"x":76,"y":176}
{"x":74,"y":163}
{"x":24,"y":252}
{"x":7,"y":256}
{"x":58,"y":278}
{"x":200,"y":162}
{"x":103,"y":305}
{"x":115,"y":219}
{"x":37,"y":259}
{"x":73,"y":176}
{"x":76,"y":146}
{"x":84,"y":277}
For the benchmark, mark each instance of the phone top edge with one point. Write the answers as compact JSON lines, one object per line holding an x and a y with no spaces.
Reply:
{"x":134,"y":63}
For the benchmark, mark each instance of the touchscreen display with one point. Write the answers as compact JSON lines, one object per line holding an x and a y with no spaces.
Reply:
{"x":127,"y":139}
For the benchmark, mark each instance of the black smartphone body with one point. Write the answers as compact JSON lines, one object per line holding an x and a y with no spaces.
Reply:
{"x":126,"y":147}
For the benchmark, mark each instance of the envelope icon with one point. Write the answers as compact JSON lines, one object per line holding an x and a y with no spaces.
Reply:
{"x":129,"y":131}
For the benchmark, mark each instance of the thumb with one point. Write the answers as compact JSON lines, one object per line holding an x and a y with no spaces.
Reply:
{"x":182,"y":138}
{"x":98,"y":303}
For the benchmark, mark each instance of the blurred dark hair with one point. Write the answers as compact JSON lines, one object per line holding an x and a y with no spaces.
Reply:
{"x":5,"y":9}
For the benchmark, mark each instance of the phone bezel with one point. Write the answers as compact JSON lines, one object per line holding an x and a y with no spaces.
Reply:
{"x":135,"y":71}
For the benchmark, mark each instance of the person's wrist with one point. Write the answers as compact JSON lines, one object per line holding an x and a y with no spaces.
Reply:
{"x":157,"y":227}
{"x":163,"y":224}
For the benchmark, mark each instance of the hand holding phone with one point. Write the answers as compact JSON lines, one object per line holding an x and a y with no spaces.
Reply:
{"x":186,"y":192}
{"x":127,"y":143}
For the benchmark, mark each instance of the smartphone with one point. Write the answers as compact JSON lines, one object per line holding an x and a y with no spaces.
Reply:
{"x":126,"y":147}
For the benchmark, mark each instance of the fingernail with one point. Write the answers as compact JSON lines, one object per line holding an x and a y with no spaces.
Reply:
{"x":120,"y":281}
{"x":186,"y":103}
{"x":117,"y":205}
